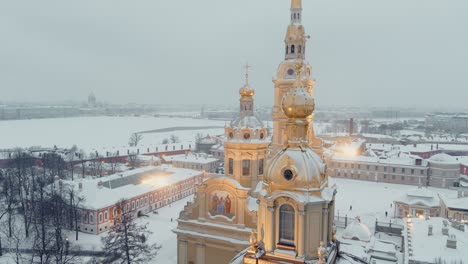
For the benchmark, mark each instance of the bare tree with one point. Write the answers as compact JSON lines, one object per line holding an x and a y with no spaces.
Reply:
{"x":165,"y":141}
{"x":126,"y":241}
{"x":71,"y":156}
{"x":174,"y":139}
{"x":9,"y":193}
{"x":25,"y":171}
{"x":135,"y":138}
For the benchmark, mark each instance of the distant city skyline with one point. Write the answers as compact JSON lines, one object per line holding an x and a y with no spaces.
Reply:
{"x":364,"y":53}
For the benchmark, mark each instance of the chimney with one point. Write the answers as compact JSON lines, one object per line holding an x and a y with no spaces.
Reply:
{"x":351,"y":126}
{"x":100,"y":184}
{"x":460,"y":194}
{"x":429,"y":231}
{"x":80,"y":186}
{"x":452,"y":241}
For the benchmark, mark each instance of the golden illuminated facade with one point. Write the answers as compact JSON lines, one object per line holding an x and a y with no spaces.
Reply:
{"x":216,"y":226}
{"x":296,"y":206}
{"x":274,"y":204}
{"x":246,"y":142}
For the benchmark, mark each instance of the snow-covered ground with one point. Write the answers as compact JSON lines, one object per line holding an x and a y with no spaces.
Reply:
{"x":90,"y":133}
{"x":105,"y":132}
{"x":369,"y":200}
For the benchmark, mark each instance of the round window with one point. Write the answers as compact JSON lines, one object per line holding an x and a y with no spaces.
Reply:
{"x":288,"y":174}
{"x":231,"y":135}
{"x":246,"y":136}
{"x":290,"y":71}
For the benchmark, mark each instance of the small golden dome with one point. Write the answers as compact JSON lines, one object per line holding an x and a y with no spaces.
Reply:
{"x":246,"y":91}
{"x":298,"y":103}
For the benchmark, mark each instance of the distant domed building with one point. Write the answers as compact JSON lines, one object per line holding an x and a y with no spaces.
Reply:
{"x":91,"y":100}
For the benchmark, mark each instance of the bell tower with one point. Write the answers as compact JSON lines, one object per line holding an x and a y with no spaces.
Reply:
{"x":246,"y":141}
{"x":295,"y":47}
{"x":296,"y":206}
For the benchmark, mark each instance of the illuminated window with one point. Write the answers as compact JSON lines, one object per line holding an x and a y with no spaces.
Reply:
{"x":286,"y":225}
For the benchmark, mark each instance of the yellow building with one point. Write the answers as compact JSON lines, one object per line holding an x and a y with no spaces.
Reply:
{"x":216,"y":226}
{"x":274,"y":204}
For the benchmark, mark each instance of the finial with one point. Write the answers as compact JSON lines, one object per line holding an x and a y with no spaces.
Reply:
{"x":247,"y":66}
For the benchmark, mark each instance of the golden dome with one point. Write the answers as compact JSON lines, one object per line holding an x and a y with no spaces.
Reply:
{"x":298,"y":103}
{"x":246,"y":91}
{"x":295,"y":169}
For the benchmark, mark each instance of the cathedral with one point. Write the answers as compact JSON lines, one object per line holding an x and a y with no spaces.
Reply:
{"x":273,"y":205}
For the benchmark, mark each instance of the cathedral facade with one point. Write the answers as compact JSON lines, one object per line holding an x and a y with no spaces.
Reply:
{"x":273,"y":205}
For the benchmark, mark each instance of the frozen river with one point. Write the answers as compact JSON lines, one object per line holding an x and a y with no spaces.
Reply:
{"x":100,"y":132}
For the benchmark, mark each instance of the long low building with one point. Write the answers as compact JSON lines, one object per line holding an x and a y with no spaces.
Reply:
{"x":144,"y":190}
{"x":195,"y":161}
{"x":441,"y":170}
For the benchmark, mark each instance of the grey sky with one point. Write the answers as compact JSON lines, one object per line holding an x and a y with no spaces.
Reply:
{"x":364,"y":52}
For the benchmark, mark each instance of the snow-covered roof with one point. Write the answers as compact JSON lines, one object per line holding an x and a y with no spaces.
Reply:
{"x":357,"y":231}
{"x":455,"y":203}
{"x":443,"y":158}
{"x":400,"y":159}
{"x":127,"y":185}
{"x":250,"y":121}
{"x":427,"y":248}
{"x":201,"y":158}
{"x":421,"y":196}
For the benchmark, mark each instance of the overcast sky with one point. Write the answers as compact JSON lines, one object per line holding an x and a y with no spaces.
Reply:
{"x":363,"y":52}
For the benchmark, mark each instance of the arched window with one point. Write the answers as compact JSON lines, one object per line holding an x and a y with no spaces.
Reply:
{"x":299,"y":49}
{"x":286,"y":225}
{"x":287,"y":49}
{"x":298,"y":16}
{"x":294,"y":15}
{"x":231,"y":166}
{"x":292,"y":49}
{"x":245,"y":167}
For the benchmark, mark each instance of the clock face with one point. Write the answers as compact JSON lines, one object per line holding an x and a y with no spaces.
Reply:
{"x":290,"y":71}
